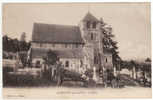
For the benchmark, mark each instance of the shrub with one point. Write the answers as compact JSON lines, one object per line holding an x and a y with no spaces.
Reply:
{"x":6,"y":77}
{"x":89,"y":73}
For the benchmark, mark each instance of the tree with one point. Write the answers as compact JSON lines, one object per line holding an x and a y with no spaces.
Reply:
{"x":24,"y":46}
{"x":148,"y":60}
{"x":23,"y":58}
{"x":22,"y":43}
{"x":51,"y":58}
{"x":5,"y":43}
{"x":147,"y":67}
{"x":109,"y":43}
{"x":134,"y":67}
{"x":14,"y":45}
{"x":23,"y":37}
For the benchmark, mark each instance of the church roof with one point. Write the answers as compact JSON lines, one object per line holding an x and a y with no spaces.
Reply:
{"x":67,"y":53}
{"x":90,"y":17}
{"x":52,"y":33}
{"x":107,"y":51}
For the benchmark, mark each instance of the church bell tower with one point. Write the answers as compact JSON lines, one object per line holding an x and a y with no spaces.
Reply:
{"x":91,"y":33}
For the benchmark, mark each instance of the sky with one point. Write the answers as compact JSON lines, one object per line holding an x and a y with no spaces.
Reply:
{"x":131,"y":22}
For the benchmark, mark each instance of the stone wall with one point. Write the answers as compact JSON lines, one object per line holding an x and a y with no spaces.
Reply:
{"x":93,"y":41}
{"x":108,"y":60}
{"x":74,"y":64}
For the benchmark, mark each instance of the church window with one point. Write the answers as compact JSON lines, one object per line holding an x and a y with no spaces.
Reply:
{"x":67,"y":64}
{"x":40,"y":45}
{"x":53,"y":45}
{"x":94,"y":25}
{"x":91,"y":36}
{"x":81,"y":63}
{"x":95,"y":37}
{"x":37,"y":64}
{"x":88,"y":24}
{"x":95,"y":60}
{"x":104,"y":32}
{"x":77,"y":45}
{"x":106,"y":60}
{"x":66,"y":45}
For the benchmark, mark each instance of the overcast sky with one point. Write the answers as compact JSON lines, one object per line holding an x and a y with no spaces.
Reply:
{"x":130,"y":22}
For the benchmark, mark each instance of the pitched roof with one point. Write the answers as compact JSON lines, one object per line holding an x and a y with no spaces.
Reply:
{"x":52,"y":33}
{"x":71,"y":53}
{"x":68,"y":53}
{"x":107,"y":51}
{"x":38,"y":53}
{"x":90,"y":17}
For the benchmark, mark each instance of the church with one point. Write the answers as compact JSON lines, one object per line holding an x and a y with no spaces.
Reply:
{"x":76,"y":46}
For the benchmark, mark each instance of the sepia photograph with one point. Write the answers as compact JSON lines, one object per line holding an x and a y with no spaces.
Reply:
{"x":76,"y":50}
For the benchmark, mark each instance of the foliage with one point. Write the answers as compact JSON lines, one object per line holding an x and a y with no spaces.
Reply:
{"x":147,"y":65}
{"x":24,"y":46}
{"x":89,"y":73}
{"x":109,"y":43}
{"x":51,"y":58}
{"x":23,"y":37}
{"x":148,"y":60}
{"x":25,"y":80}
{"x":144,"y":66}
{"x":132,"y":64}
{"x":127,"y":80}
{"x":14,"y":45}
{"x":23,"y":58}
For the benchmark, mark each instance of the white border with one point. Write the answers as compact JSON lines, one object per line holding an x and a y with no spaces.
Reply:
{"x":64,"y":1}
{"x":1,"y":50}
{"x":45,"y":1}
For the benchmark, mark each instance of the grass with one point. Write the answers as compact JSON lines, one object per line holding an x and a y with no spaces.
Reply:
{"x":128,"y":81}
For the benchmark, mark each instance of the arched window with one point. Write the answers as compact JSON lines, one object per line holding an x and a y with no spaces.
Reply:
{"x":77,"y":45}
{"x":37,"y":64}
{"x":67,"y":64}
{"x":81,"y":63}
{"x":66,"y":45}
{"x":95,"y":59}
{"x":40,"y":44}
{"x":106,"y":60}
{"x":104,"y":32}
{"x":88,"y":24}
{"x":92,"y":36}
{"x":95,"y":36}
{"x":94,"y":25}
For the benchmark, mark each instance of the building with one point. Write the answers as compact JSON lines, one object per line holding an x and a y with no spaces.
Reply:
{"x":77,"y":46}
